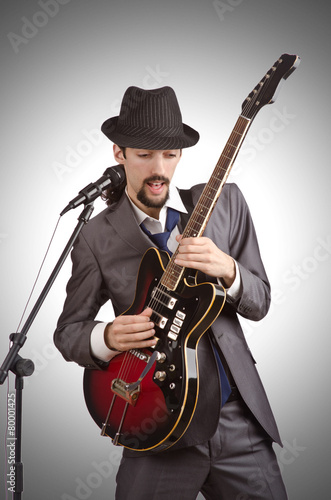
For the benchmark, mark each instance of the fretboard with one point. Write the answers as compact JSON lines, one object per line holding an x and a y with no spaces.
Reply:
{"x":208,"y":198}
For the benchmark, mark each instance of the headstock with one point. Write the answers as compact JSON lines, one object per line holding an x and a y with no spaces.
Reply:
{"x":266,"y":90}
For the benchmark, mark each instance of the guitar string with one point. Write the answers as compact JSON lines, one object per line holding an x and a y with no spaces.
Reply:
{"x":125,"y":361}
{"x":125,"y":364}
{"x":119,"y":376}
{"x":130,"y":367}
{"x":129,"y":364}
{"x":123,"y":371}
{"x":130,"y":361}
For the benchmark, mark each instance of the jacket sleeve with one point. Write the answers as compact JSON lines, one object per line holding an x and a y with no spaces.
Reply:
{"x":86,"y":294}
{"x":232,"y":230}
{"x":254,"y":301}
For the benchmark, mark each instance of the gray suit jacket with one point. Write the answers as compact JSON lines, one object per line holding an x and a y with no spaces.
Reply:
{"x":106,"y":259}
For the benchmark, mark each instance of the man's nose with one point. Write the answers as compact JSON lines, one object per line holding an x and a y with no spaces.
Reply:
{"x":158,"y":167}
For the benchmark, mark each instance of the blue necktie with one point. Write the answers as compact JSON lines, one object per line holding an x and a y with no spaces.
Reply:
{"x":161,"y":239}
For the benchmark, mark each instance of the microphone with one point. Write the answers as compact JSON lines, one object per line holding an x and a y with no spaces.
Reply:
{"x":113,"y":176}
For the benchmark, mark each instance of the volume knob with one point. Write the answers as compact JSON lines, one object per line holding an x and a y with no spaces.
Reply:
{"x":160,"y":375}
{"x":161,"y":357}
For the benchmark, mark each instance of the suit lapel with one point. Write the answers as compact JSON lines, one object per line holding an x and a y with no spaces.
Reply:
{"x":186,"y":197}
{"x":124,"y":224}
{"x":183,"y":221}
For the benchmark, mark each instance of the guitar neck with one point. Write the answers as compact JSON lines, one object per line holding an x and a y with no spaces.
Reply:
{"x":208,"y":198}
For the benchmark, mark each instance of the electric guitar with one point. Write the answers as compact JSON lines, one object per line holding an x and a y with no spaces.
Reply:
{"x":146,"y":398}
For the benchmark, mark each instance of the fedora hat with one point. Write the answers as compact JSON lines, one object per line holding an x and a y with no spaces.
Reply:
{"x":150,"y":119}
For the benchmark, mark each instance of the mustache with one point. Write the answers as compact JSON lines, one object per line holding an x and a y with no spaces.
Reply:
{"x":157,"y":178}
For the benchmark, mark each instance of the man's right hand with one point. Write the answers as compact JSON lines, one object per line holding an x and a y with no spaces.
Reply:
{"x":130,"y":332}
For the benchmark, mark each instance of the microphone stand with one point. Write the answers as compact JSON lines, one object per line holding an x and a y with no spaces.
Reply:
{"x":25,"y":367}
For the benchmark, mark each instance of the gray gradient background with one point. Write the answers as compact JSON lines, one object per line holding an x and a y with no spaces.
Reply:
{"x":60,"y":85}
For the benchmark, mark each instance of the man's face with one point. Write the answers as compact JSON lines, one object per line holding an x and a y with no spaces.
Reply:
{"x":148,"y":174}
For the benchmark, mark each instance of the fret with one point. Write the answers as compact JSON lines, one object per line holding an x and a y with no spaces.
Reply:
{"x":235,"y":132}
{"x":172,"y":276}
{"x":212,"y":189}
{"x":202,"y":209}
{"x":227,"y":157}
{"x":229,"y":151}
{"x":230,"y":148}
{"x":218,"y":176}
{"x":209,"y":197}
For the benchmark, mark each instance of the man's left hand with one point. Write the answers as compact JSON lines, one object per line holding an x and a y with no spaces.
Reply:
{"x":202,"y":254}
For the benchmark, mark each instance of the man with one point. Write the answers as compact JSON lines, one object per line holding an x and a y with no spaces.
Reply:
{"x":226,"y":452}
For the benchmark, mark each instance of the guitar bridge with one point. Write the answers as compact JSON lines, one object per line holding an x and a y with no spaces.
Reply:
{"x":122,"y":389}
{"x":130,"y":392}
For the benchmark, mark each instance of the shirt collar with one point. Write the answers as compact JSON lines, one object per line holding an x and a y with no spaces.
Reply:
{"x":174,"y":201}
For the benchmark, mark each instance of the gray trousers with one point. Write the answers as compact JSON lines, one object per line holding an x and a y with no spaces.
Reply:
{"x":238,"y":463}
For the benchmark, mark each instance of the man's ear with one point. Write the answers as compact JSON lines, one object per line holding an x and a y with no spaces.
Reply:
{"x":118,"y":154}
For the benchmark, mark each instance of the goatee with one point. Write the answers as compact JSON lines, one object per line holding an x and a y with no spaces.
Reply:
{"x":149,"y":201}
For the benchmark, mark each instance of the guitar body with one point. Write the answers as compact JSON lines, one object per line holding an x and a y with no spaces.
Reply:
{"x":157,"y":413}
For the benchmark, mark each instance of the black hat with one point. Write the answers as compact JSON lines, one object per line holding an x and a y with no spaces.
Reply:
{"x":150,"y":119}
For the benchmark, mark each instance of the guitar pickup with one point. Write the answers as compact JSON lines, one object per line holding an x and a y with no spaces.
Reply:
{"x":171,"y":302}
{"x":163,"y":298}
{"x":159,"y":320}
